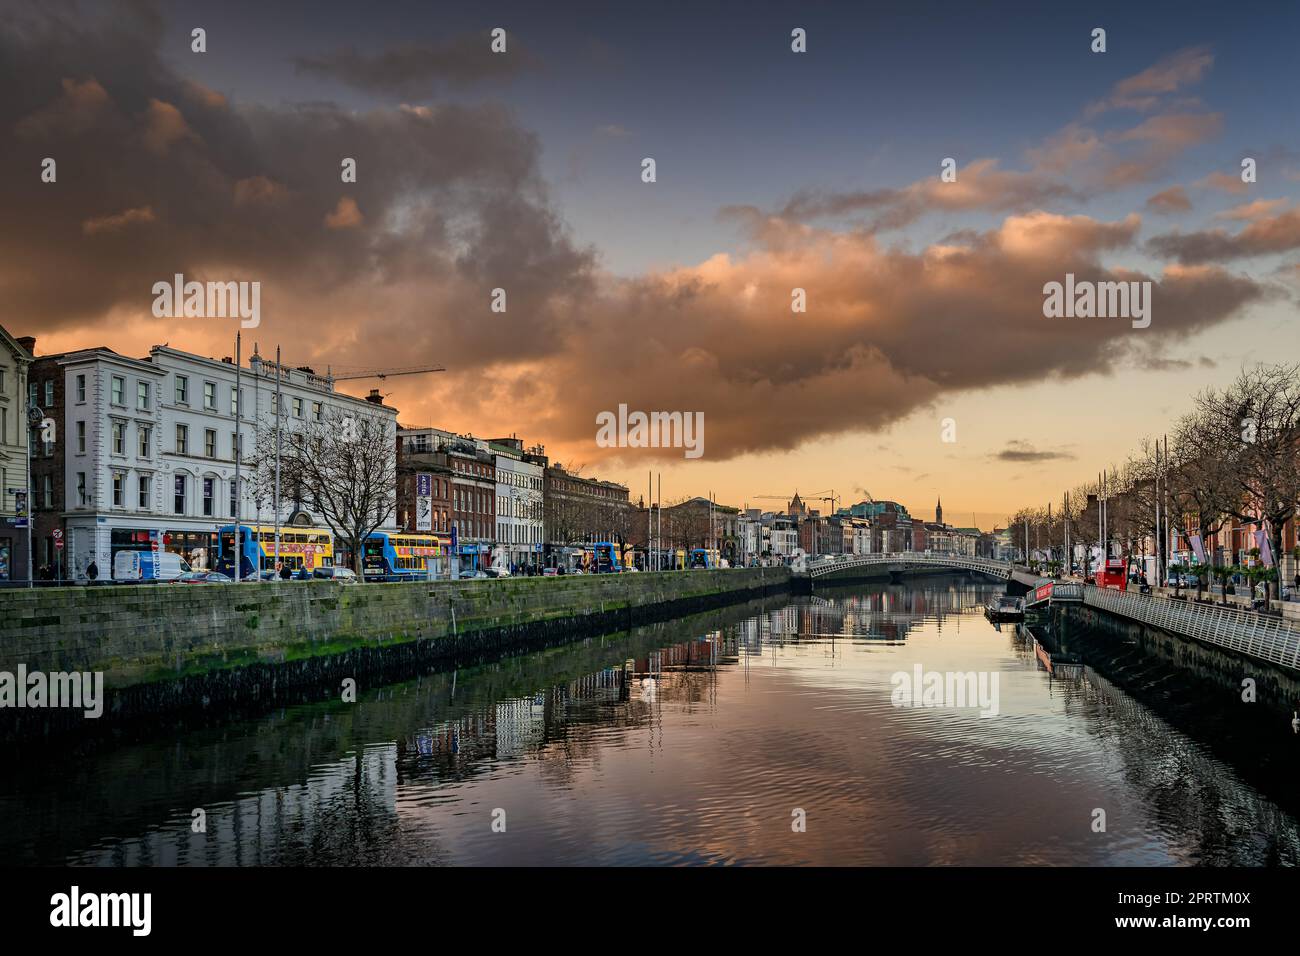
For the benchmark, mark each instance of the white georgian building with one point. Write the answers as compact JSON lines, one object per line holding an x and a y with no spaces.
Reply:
{"x":151,"y":449}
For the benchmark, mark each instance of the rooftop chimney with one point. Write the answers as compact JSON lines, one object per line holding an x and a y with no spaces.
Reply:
{"x":374,"y":397}
{"x":28,"y":342}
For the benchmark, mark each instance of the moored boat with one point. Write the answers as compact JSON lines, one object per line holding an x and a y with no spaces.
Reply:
{"x":1005,"y":608}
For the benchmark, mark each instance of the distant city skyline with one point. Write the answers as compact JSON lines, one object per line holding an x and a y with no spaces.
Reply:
{"x":923,"y":366}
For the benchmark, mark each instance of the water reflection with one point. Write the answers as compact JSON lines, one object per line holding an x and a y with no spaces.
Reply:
{"x":690,"y":742}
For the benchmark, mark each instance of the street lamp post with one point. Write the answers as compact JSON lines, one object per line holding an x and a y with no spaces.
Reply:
{"x":34,"y":417}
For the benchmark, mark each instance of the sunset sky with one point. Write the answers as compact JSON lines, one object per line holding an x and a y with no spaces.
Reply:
{"x":775,"y":170}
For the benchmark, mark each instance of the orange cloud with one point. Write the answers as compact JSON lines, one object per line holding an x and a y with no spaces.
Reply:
{"x":1142,"y":91}
{"x":1171,"y":200}
{"x":346,"y":215}
{"x":165,"y":126}
{"x":117,"y":221}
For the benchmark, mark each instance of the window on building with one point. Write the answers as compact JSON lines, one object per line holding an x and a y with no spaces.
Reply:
{"x":119,"y":484}
{"x":182,"y":390}
{"x":81,"y":489}
{"x":182,"y":439}
{"x":209,"y":496}
{"x":119,"y":390}
{"x":234,"y":446}
{"x":142,"y":483}
{"x":210,"y":396}
{"x":297,"y":408}
{"x":316,"y":408}
{"x":47,"y":490}
{"x":119,"y":438}
{"x":81,"y":438}
{"x":275,"y":404}
{"x":49,"y":393}
{"x":210,"y":442}
{"x":142,"y":396}
{"x":234,"y":402}
{"x":234,"y":503}
{"x":178,"y":503}
{"x":142,"y":432}
{"x":81,"y":389}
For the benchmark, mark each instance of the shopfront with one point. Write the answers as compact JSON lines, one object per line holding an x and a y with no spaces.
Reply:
{"x":197,"y":548}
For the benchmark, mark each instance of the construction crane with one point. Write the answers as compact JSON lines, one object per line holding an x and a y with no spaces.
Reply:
{"x":383,"y":373}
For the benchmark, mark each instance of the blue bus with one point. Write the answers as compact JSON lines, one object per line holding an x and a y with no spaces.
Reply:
{"x":302,"y":550}
{"x":602,"y":558}
{"x":402,"y":557}
{"x":704,"y":558}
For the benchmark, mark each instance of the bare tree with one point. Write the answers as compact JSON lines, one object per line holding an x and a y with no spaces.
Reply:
{"x":345,"y":464}
{"x":1250,"y":434}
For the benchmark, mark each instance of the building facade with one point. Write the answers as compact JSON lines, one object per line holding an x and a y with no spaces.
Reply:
{"x":16,"y":436}
{"x":151,"y":449}
{"x":464,"y":469}
{"x":579,"y":511}
{"x":520,"y":520}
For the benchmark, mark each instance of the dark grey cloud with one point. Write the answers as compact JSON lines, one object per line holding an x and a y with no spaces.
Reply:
{"x":419,"y":70}
{"x":1021,"y":452}
{"x":1266,"y":235}
{"x":157,"y":175}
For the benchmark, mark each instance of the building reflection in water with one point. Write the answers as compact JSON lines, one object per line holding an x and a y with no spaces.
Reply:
{"x":396,"y":777}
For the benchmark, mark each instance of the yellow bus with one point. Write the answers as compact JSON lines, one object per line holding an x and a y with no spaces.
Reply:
{"x":300,"y":549}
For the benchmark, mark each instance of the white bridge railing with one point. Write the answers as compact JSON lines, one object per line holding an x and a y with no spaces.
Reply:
{"x":816,"y":567}
{"x":1242,"y":631}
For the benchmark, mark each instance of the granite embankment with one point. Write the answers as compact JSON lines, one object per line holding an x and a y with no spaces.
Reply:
{"x":174,"y":647}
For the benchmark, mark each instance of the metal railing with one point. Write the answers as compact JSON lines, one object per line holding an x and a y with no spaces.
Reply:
{"x":1067,"y":591}
{"x":1242,"y":631}
{"x":817,"y":568}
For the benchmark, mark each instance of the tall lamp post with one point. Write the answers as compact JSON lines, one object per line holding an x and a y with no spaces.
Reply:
{"x":34,"y":418}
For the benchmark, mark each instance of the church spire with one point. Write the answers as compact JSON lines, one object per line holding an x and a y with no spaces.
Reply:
{"x":938,"y":511}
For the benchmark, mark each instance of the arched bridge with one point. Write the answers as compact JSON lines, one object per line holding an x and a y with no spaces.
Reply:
{"x":901,"y":561}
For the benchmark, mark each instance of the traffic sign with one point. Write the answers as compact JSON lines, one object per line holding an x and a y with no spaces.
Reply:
{"x":58,"y":544}
{"x":58,"y":534}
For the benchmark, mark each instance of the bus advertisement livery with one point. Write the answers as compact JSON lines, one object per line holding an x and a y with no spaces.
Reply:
{"x":300,"y":549}
{"x":402,"y":557}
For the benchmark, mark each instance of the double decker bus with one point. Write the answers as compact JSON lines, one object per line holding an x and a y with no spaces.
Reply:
{"x":705,"y":558}
{"x":300,"y":549}
{"x":402,"y":557}
{"x":1113,"y":575}
{"x":603,"y":557}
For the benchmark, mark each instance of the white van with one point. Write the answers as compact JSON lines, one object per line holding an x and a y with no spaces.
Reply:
{"x":148,"y":566}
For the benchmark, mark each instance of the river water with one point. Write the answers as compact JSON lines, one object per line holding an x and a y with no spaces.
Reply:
{"x":777,"y":734}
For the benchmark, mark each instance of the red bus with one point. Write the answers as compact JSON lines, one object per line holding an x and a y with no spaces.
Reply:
{"x":1114,"y":575}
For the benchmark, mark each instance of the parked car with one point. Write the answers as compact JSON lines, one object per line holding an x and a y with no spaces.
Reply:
{"x":549,"y":572}
{"x":342,"y":575}
{"x":204,"y":577}
{"x":497,"y":572}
